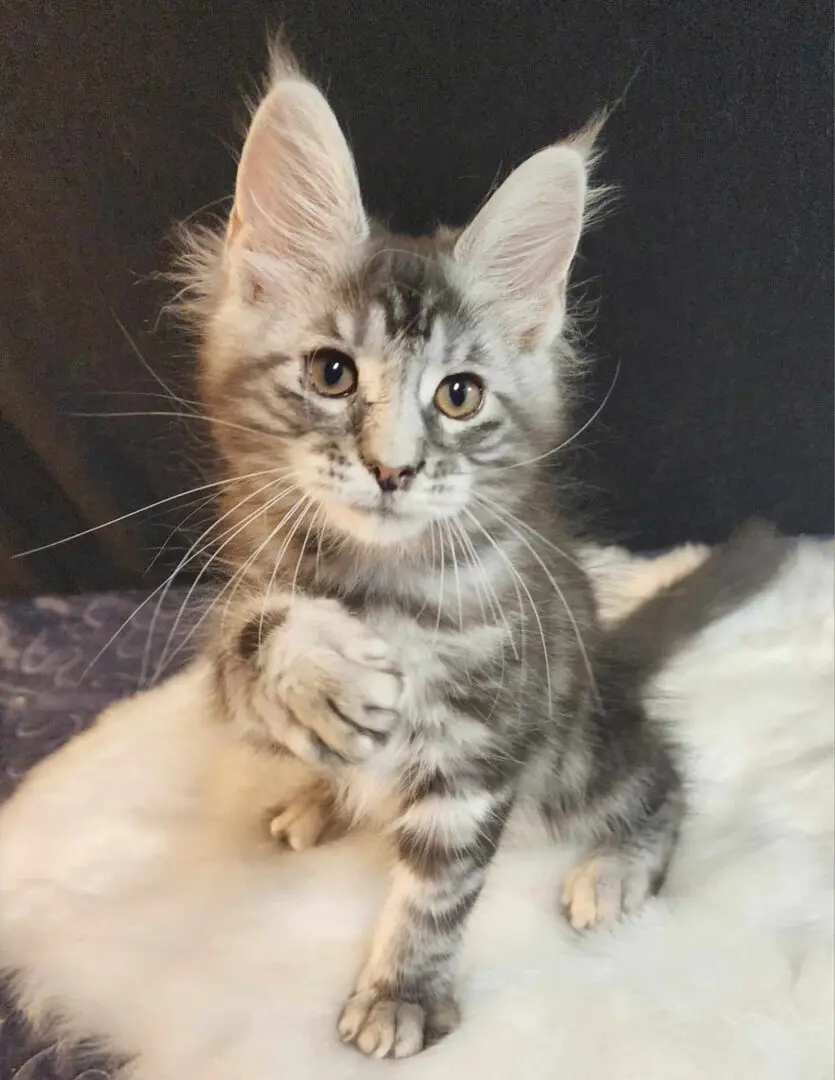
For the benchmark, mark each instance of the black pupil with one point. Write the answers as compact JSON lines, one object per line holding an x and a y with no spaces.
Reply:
{"x":333,"y":372}
{"x":458,"y":392}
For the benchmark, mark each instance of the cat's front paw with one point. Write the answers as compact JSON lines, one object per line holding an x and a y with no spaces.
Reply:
{"x":338,"y":685}
{"x":382,"y":1026}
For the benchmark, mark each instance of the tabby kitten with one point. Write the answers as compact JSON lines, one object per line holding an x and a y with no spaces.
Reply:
{"x":407,"y":616}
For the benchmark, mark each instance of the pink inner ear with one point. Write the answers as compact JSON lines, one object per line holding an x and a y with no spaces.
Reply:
{"x":264,"y":167}
{"x":532,"y":263}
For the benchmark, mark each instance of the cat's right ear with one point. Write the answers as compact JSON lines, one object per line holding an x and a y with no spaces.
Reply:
{"x":298,"y":214}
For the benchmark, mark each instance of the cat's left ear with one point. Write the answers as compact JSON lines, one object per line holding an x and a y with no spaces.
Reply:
{"x":518,"y":251}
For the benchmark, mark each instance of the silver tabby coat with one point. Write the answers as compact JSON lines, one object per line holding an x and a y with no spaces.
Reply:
{"x":406,"y":614}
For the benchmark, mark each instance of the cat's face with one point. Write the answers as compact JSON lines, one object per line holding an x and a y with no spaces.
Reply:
{"x":395,"y":406}
{"x":394,"y":383}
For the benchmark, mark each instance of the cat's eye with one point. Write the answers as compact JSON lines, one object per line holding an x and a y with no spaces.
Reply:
{"x":331,"y":373}
{"x":460,"y":396}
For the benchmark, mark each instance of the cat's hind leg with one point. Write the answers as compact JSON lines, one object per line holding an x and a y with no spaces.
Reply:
{"x":615,"y":881}
{"x":630,"y":810}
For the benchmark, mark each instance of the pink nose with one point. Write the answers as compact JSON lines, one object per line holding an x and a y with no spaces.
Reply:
{"x":392,"y":477}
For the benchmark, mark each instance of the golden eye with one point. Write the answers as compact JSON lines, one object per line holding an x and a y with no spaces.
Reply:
{"x":331,"y":373}
{"x":460,"y":396}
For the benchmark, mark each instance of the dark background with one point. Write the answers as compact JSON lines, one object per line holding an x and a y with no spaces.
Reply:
{"x":713,"y":280}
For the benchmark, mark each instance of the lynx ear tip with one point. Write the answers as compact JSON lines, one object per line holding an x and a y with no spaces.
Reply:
{"x":283,"y":63}
{"x":586,"y":140}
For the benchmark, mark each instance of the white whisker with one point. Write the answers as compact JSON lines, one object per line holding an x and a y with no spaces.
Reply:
{"x":506,"y":515}
{"x":297,"y":512}
{"x":198,"y":505}
{"x":236,"y":579}
{"x":229,"y":535}
{"x":489,"y":592}
{"x":571,"y":617}
{"x":302,"y":548}
{"x":441,"y":578}
{"x":518,"y":577}
{"x":454,"y":557}
{"x":143,"y":510}
{"x":478,"y":571}
{"x":571,"y":438}
{"x":189,"y":556}
{"x":176,"y":415}
{"x":138,"y":353}
{"x":142,"y":394}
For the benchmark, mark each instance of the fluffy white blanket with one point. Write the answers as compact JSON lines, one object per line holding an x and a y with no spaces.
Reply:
{"x":157,"y":917}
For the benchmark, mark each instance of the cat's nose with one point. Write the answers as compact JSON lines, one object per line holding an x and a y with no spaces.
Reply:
{"x":392,"y":477}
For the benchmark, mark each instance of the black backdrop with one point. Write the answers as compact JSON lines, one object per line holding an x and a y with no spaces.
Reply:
{"x":713,"y":280}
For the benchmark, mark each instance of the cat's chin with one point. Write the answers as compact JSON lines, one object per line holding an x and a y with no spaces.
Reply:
{"x":375,"y":529}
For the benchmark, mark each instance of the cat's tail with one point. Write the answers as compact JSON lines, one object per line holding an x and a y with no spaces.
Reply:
{"x":734,"y":572}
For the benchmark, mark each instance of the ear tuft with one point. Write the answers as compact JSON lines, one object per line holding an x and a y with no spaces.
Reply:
{"x":586,"y":141}
{"x":284,"y":63}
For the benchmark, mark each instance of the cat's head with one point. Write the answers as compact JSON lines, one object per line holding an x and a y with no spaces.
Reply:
{"x":392,"y":382}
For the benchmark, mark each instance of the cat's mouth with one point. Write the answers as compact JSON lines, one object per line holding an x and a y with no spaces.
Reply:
{"x":389,"y":506}
{"x":384,"y":521}
{"x":382,"y":504}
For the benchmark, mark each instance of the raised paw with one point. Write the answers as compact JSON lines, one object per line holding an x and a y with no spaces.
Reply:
{"x":382,"y":1026}
{"x":338,"y":685}
{"x":604,"y":889}
{"x":302,"y":823}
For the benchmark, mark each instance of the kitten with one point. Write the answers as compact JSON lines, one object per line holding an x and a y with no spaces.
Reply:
{"x":407,"y":615}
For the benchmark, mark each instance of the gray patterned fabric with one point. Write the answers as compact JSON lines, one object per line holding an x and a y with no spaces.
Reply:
{"x":60,"y":665}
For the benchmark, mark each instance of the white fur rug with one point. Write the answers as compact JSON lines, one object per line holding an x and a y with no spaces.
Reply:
{"x":158,"y":919}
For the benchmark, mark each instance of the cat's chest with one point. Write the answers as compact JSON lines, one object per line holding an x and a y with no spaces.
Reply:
{"x":429,"y":735}
{"x":379,"y":788}
{"x":430,"y":656}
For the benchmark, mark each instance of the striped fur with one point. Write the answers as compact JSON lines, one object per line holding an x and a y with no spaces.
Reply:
{"x":432,"y":653}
